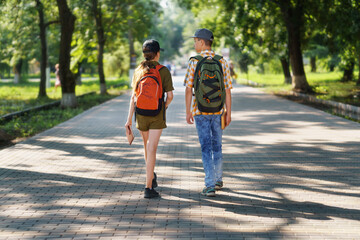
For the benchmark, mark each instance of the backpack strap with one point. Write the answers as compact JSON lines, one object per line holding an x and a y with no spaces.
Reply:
{"x":218,"y":58}
{"x":197,"y":57}
{"x":201,"y":59}
{"x":158,"y":68}
{"x":198,"y":65}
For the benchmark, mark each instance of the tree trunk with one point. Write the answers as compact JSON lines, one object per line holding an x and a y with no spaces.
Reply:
{"x":131,"y":47}
{"x":261,"y":68}
{"x":358,"y":81}
{"x":67,"y":78}
{"x":293,"y":18}
{"x":43,"y":63}
{"x":101,"y":44}
{"x":78,"y":80}
{"x":348,"y":71}
{"x":244,"y":63}
{"x":313,"y":64}
{"x":286,"y":70}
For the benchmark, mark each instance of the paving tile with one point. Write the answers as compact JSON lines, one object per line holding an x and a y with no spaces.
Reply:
{"x":290,"y":172}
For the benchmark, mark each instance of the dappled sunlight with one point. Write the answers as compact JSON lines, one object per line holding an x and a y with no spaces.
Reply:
{"x":303,"y":167}
{"x":171,"y":139}
{"x":320,"y":197}
{"x":290,"y":131}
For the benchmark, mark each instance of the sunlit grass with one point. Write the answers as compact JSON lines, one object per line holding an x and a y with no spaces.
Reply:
{"x":327,"y":85}
{"x":18,"y":97}
{"x":33,"y":123}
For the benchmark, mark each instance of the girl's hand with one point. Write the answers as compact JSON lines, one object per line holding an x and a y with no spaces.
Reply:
{"x":128,"y":126}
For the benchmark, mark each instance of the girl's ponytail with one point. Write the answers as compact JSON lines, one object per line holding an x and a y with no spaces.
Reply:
{"x":143,"y":68}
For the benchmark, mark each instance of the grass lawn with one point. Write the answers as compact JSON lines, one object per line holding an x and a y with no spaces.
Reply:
{"x":19,"y":97}
{"x":326,"y":85}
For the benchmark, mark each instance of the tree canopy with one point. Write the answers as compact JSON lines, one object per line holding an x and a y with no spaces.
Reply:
{"x":106,"y":35}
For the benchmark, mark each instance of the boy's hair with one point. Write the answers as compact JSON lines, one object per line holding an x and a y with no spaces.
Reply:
{"x":208,"y":42}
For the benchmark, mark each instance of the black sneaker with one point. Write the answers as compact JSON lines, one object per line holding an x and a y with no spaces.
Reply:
{"x":151,"y":193}
{"x":154,"y":182}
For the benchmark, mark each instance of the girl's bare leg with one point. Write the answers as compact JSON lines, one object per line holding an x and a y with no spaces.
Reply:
{"x":151,"y":142}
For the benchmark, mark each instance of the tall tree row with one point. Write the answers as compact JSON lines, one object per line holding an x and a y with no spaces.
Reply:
{"x":287,"y":29}
{"x":25,"y":27}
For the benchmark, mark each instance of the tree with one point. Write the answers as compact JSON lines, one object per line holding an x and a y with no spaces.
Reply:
{"x":168,"y":29}
{"x":107,"y":24}
{"x":139,"y":16}
{"x":293,"y":16}
{"x":21,"y":16}
{"x":96,"y":10}
{"x":316,"y":48}
{"x":346,"y":13}
{"x":43,"y":62}
{"x":43,"y":25}
{"x":252,"y":30}
{"x":275,"y":40}
{"x":67,"y":78}
{"x":18,"y":33}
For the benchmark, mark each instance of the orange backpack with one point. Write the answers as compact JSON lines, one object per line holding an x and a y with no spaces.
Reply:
{"x":149,"y":93}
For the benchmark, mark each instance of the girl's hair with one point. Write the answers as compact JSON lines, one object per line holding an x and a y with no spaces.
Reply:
{"x":143,"y":68}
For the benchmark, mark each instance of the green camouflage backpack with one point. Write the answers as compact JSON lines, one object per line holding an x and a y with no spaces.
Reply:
{"x":209,"y":87}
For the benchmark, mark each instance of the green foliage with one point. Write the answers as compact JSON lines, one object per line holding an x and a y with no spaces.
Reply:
{"x":116,"y":63}
{"x":168,"y":29}
{"x":273,"y":66}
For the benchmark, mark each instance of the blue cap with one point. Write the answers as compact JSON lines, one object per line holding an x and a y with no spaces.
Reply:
{"x":204,"y":34}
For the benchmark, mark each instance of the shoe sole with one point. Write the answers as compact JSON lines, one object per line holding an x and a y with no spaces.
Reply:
{"x":211,"y":194}
{"x":218,"y":188}
{"x":152,"y":197}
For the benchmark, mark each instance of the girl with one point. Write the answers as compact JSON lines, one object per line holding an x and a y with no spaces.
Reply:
{"x":57,"y":74}
{"x":150,"y":127}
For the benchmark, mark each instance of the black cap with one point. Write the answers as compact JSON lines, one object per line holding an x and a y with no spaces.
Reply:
{"x":151,"y":45}
{"x":204,"y":34}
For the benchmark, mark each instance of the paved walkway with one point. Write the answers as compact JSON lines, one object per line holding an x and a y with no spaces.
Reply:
{"x":291,"y":172}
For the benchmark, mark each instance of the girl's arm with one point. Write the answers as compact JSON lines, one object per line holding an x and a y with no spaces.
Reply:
{"x":169,"y":98}
{"x":131,"y":112}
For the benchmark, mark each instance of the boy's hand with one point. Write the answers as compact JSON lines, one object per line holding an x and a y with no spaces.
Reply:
{"x":189,"y":118}
{"x":228,"y":119}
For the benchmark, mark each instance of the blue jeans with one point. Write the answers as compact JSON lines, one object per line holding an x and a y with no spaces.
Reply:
{"x":210,"y":137}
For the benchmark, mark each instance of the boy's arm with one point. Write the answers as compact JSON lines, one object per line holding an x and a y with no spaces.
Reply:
{"x":228,"y":106}
{"x":228,"y":87}
{"x":188,"y":98}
